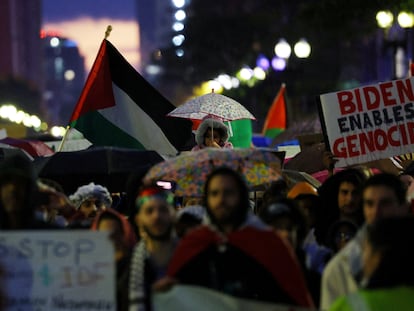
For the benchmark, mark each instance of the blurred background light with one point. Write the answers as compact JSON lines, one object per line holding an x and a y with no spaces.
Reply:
{"x":278,"y":64}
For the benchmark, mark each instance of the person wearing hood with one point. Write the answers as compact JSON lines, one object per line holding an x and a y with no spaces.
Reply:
{"x":212,"y":133}
{"x":234,"y":252}
{"x":124,"y":239}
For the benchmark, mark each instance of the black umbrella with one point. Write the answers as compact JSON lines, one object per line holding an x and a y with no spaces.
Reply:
{"x":7,"y":151}
{"x":107,"y":166}
{"x":292,"y":177}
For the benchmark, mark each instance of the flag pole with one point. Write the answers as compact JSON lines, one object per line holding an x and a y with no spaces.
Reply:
{"x":62,"y":142}
{"x":108,"y":31}
{"x":63,"y":138}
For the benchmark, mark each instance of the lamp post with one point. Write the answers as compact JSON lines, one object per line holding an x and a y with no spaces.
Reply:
{"x":283,"y":54}
{"x":283,"y":51}
{"x":396,"y":38}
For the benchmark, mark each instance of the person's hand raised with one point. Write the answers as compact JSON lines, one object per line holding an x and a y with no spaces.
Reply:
{"x":329,"y":160}
{"x":164,"y":284}
{"x":212,"y":143}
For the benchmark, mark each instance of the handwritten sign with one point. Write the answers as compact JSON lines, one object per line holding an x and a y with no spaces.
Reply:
{"x":371,"y":122}
{"x":57,"y":270}
{"x":185,"y":297}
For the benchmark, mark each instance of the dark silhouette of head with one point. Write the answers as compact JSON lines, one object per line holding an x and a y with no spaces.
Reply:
{"x":392,"y":239}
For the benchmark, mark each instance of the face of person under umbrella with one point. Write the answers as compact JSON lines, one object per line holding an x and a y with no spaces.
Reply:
{"x":223,"y":198}
{"x":213,"y":139}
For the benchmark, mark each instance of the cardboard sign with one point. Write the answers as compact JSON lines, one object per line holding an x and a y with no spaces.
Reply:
{"x":57,"y":270}
{"x":185,"y":297}
{"x":370,"y":123}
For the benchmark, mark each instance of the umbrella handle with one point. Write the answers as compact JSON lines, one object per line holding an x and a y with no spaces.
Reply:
{"x":212,"y":129}
{"x":230,"y":128}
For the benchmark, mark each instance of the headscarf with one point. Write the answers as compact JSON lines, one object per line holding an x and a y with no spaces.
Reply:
{"x":129,"y":236}
{"x":91,"y":191}
{"x":153,"y":192}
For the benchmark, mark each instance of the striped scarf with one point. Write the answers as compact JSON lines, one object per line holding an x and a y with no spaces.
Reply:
{"x":137,"y":278}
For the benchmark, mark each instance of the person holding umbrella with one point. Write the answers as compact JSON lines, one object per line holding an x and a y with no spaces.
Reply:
{"x":213,"y":109}
{"x":212,"y":133}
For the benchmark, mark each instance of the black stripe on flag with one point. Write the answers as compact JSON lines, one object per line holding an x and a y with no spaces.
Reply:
{"x":177,"y":130}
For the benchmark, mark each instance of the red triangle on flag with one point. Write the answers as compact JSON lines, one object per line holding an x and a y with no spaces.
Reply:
{"x":97,"y":92}
{"x":276,"y":119}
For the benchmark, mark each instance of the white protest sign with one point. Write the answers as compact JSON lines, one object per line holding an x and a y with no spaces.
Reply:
{"x":370,"y":123}
{"x":57,"y":270}
{"x":185,"y":297}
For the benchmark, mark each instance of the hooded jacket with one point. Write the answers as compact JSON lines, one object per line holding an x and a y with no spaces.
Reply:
{"x":252,"y":262}
{"x":215,"y":124}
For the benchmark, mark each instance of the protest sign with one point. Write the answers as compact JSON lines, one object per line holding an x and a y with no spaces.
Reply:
{"x":57,"y":270}
{"x":369,"y":123}
{"x":185,"y":297}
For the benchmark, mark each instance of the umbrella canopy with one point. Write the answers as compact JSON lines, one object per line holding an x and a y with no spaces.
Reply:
{"x":308,"y":160}
{"x":108,"y":166}
{"x":7,"y":151}
{"x":212,"y":105}
{"x":189,"y":171}
{"x":293,"y":177}
{"x":35,"y":148}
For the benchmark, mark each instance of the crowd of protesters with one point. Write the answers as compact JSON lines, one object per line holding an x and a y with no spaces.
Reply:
{"x":343,"y":246}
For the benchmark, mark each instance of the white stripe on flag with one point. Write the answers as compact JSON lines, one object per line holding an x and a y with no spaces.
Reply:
{"x":130,"y":118}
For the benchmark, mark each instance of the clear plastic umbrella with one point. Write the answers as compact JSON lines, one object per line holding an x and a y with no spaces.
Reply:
{"x":212,"y":105}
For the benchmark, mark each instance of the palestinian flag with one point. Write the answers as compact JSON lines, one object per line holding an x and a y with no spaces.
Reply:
{"x":118,"y":107}
{"x":242,"y":133}
{"x":276,"y":119}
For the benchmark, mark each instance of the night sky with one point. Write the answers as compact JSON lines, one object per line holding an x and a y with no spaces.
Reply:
{"x":54,"y":11}
{"x":85,"y":22}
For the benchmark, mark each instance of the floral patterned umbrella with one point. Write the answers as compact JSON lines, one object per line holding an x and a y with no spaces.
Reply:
{"x":212,"y":105}
{"x":189,"y":171}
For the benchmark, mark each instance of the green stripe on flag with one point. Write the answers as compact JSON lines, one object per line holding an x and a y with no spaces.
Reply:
{"x":101,"y":132}
{"x":273,"y":132}
{"x":242,"y":133}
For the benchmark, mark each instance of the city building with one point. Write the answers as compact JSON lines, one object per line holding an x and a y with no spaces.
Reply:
{"x":21,"y":53}
{"x":21,"y":75}
{"x":64,"y":76}
{"x":162,"y":24}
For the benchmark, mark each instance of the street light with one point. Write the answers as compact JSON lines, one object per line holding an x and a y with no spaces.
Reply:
{"x":301,"y":48}
{"x":405,"y":19}
{"x":384,"y":19}
{"x":283,"y":49}
{"x":396,"y":38}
